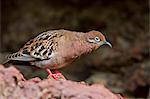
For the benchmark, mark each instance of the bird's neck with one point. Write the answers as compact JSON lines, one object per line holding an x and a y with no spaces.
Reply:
{"x":86,"y":48}
{"x":76,"y":49}
{"x":83,"y":47}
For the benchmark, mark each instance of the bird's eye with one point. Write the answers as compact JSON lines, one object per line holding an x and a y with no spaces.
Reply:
{"x":97,"y":39}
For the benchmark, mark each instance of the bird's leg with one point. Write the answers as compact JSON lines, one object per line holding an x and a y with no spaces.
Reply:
{"x":56,"y":76}
{"x":59,"y":75}
{"x":50,"y":73}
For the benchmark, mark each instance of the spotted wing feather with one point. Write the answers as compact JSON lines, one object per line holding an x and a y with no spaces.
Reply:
{"x":39,"y":48}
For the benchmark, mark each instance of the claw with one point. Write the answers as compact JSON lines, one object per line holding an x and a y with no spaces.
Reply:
{"x":56,"y":76}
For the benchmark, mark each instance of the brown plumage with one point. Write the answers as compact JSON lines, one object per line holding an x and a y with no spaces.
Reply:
{"x":57,"y":48}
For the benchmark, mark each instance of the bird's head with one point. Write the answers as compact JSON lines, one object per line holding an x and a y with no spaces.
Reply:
{"x":97,"y":39}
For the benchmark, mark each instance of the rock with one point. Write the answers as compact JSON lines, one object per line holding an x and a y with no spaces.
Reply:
{"x":14,"y":86}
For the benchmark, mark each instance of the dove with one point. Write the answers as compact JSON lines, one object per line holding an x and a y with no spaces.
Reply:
{"x":55,"y":49}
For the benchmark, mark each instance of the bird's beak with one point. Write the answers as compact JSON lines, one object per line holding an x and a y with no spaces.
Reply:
{"x":105,"y":42}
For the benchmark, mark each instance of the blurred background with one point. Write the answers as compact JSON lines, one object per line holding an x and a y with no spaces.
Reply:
{"x":124,"y":69}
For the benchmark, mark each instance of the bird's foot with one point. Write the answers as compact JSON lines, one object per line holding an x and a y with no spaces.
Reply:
{"x":56,"y":76}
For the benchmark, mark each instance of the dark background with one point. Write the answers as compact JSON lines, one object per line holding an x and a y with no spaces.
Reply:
{"x":124,"y":69}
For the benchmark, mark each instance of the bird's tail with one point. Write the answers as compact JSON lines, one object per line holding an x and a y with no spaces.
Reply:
{"x":5,"y":62}
{"x":8,"y":59}
{"x":11,"y":61}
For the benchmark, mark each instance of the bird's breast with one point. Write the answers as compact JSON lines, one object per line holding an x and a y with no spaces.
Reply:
{"x":65,"y":54}
{"x":71,"y":51}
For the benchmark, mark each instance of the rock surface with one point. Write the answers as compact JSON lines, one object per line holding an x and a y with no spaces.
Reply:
{"x":14,"y":86}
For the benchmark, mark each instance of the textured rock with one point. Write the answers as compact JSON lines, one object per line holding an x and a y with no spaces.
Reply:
{"x":14,"y":86}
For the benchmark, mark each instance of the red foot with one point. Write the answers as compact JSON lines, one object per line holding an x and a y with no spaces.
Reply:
{"x":57,"y":74}
{"x":56,"y":71}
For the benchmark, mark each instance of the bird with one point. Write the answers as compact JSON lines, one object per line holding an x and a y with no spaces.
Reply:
{"x":55,"y":49}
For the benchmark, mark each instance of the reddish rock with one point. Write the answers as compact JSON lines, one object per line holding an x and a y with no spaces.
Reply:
{"x":14,"y":86}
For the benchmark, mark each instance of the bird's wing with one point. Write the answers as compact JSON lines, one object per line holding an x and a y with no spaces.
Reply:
{"x":40,"y":48}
